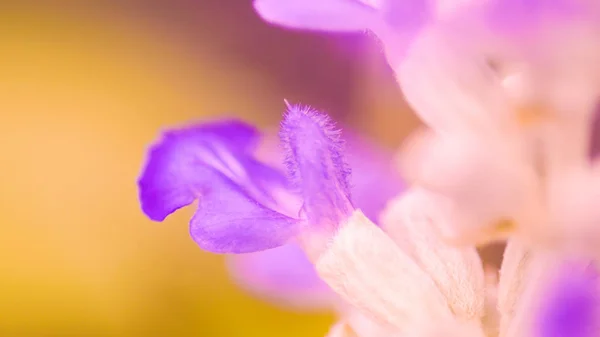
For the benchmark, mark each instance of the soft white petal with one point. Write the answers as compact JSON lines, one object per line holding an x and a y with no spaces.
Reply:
{"x":525,"y":272}
{"x":513,"y":273}
{"x":451,"y":85}
{"x":574,"y":212}
{"x":372,"y":273}
{"x":415,"y":221}
{"x":486,"y":183}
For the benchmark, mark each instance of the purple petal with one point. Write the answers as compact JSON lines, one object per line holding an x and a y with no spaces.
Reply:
{"x":400,"y":21}
{"x":516,"y":15}
{"x":169,"y":179}
{"x":406,"y":14}
{"x":214,"y":162}
{"x":230,"y":221}
{"x":283,"y":276}
{"x":572,"y":307}
{"x":321,"y":15}
{"x":316,"y":164}
{"x":374,"y":178}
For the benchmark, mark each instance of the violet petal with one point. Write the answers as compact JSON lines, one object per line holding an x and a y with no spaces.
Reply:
{"x":168,"y":181}
{"x":513,"y":16}
{"x":283,"y":276}
{"x":374,"y":179}
{"x":321,"y":15}
{"x":214,"y":163}
{"x":572,"y":307}
{"x":406,"y":14}
{"x":316,"y":164}
{"x":230,"y":221}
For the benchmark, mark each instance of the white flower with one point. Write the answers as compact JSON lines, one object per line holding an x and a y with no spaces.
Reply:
{"x":510,"y":118}
{"x":407,"y":281}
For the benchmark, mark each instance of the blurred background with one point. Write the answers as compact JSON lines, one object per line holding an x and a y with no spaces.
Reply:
{"x":84,"y":88}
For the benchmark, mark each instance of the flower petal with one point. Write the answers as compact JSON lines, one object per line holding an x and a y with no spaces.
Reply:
{"x":374,"y":179}
{"x":526,"y":279}
{"x":406,"y":15}
{"x":572,"y":203}
{"x":228,"y":220}
{"x":572,"y":306}
{"x":367,"y":269}
{"x":415,"y":221}
{"x":520,"y":15}
{"x":514,"y":275}
{"x":169,"y":179}
{"x":451,"y":86}
{"x":323,"y":15}
{"x":316,"y":164}
{"x":284,"y":276}
{"x":213,"y":162}
{"x":488,"y":185}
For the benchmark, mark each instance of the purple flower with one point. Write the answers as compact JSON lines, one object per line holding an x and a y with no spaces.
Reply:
{"x":284,"y":275}
{"x":246,"y":206}
{"x":572,"y":306}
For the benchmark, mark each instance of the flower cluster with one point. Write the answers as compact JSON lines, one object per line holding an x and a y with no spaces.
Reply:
{"x":508,"y":90}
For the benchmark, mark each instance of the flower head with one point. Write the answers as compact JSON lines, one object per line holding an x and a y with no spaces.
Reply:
{"x":216,"y":161}
{"x":508,"y":90}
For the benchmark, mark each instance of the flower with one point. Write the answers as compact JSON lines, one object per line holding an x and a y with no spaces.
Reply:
{"x":284,"y":275}
{"x":217,"y":160}
{"x":408,"y":276}
{"x":513,"y":138}
{"x":508,"y":91}
{"x":397,"y":278}
{"x":508,"y":88}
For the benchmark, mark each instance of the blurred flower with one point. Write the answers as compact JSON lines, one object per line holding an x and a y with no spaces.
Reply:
{"x":572,"y":306}
{"x":508,"y":89}
{"x":402,"y":276}
{"x":511,"y":111}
